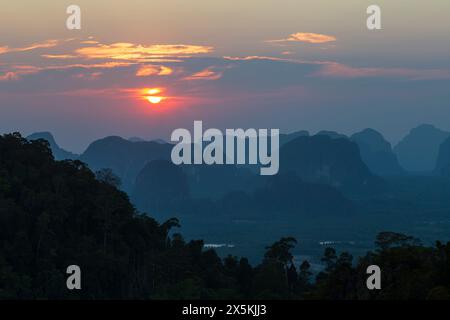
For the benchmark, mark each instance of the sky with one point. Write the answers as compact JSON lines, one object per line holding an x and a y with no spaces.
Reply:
{"x":287,"y":64}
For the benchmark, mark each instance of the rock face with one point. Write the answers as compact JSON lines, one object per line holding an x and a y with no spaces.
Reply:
{"x":377,"y":153}
{"x":321,"y":159}
{"x":58,"y":152}
{"x":124,"y":157}
{"x":418,"y":151}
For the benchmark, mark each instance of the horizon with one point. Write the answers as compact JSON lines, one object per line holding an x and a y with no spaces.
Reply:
{"x":167,"y":139}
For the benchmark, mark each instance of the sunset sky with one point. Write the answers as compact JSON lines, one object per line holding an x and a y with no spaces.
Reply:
{"x":288,"y":64}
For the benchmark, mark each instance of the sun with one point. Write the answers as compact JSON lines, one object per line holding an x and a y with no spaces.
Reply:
{"x":154,"y":100}
{"x":152,"y":95}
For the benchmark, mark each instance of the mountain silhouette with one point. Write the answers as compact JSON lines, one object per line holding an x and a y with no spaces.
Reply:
{"x":159,"y":186}
{"x":287,"y":137}
{"x":377,"y":153}
{"x":321,"y":159}
{"x":124,"y":157}
{"x":331,"y":134}
{"x":286,"y":196}
{"x":58,"y":152}
{"x":418,"y":151}
{"x":160,"y":141}
{"x":443,"y":159}
{"x":214,"y":181}
{"x":164,"y":189}
{"x":136,"y":139}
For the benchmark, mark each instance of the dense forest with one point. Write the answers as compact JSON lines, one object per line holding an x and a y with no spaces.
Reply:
{"x":58,"y":213}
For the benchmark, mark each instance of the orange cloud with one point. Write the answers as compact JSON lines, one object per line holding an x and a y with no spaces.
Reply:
{"x":207,"y":74}
{"x":307,"y":38}
{"x":129,"y":51}
{"x":58,"y":56}
{"x":104,"y":65}
{"x":39,"y":45}
{"x":89,"y":42}
{"x":114,"y":55}
{"x":153,"y":70}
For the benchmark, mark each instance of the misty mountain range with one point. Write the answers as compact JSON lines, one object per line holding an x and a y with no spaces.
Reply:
{"x":419,"y":151}
{"x":327,"y":162}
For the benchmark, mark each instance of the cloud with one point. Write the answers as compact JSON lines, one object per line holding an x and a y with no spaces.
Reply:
{"x":153,"y":70}
{"x":129,"y":51}
{"x":78,"y":66}
{"x":15,"y":72}
{"x":58,"y":56}
{"x":38,"y":45}
{"x":206,"y":74}
{"x":307,"y":38}
{"x":90,"y":42}
{"x":102,"y":65}
{"x":249,"y":58}
{"x":91,"y":54}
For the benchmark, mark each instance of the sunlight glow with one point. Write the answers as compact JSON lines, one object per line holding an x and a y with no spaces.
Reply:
{"x":154,"y":91}
{"x":155,"y":100}
{"x":152,"y":95}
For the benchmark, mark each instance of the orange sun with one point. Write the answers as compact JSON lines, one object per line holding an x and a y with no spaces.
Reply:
{"x":151,"y":95}
{"x":154,"y":100}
